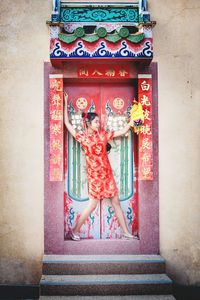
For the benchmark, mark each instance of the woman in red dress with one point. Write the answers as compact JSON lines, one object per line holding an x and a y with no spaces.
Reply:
{"x":101,"y":183}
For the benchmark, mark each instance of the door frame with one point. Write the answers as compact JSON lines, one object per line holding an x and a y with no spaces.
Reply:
{"x":148,"y":191}
{"x":103,"y":225}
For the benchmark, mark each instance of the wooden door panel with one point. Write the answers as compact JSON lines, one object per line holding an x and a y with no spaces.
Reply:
{"x":116,"y":100}
{"x":76,"y":188}
{"x":102,"y":223}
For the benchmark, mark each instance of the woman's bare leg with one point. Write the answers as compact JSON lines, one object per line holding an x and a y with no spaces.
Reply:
{"x":85,"y":214}
{"x":119,"y":213}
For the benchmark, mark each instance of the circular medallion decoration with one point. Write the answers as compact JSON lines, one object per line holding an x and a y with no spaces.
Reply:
{"x":118,"y":103}
{"x":124,"y":32}
{"x":81,"y":103}
{"x":79,"y":32}
{"x":101,"y":32}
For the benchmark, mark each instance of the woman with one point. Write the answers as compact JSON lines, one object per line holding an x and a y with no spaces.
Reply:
{"x":101,"y":183}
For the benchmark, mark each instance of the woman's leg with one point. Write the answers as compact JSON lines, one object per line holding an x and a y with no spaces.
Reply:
{"x":85,"y":214}
{"x":119,"y":213}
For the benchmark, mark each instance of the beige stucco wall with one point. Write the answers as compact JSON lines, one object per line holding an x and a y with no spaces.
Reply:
{"x":176,"y":45}
{"x":24,"y":44}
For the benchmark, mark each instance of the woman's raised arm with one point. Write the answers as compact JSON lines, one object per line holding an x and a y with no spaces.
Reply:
{"x":66,"y":118}
{"x":123,"y":131}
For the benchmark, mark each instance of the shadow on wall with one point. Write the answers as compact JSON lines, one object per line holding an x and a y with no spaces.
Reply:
{"x":181,"y":292}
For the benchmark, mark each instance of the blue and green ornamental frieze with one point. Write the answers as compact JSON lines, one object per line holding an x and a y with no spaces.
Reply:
{"x":89,"y":30}
{"x":117,"y":14}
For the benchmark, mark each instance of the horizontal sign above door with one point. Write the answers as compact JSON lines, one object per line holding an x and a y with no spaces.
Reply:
{"x":103,"y":71}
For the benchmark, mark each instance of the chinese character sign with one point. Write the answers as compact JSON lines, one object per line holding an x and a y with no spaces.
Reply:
{"x":145,"y":136}
{"x":103,"y":71}
{"x":56,"y":127}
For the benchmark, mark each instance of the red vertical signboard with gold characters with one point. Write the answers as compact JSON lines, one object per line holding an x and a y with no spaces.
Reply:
{"x":56,"y":127}
{"x":145,"y":131}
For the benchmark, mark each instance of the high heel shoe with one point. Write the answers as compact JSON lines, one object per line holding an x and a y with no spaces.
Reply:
{"x":129,"y":236}
{"x":74,"y":237}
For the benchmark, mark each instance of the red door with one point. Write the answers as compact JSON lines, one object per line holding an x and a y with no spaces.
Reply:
{"x":111,"y":102}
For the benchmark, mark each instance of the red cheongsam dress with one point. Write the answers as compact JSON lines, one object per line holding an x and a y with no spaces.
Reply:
{"x":101,"y":183}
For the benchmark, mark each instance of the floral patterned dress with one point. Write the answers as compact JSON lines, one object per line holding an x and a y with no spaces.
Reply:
{"x":101,"y":183}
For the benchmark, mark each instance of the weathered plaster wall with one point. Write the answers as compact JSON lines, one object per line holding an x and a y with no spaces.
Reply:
{"x":176,"y":45}
{"x":24,"y":46}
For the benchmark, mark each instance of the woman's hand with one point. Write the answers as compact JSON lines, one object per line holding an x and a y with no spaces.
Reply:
{"x":123,"y":131}
{"x":66,"y":118}
{"x":65,"y":98}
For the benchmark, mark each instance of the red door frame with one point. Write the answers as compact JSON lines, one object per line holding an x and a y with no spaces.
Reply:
{"x":148,"y":193}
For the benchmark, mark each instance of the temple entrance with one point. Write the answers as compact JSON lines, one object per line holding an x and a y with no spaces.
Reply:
{"x":112,"y":102}
{"x":101,"y":57}
{"x":101,"y":67}
{"x":67,"y":197}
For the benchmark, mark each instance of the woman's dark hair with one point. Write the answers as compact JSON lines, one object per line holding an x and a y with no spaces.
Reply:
{"x":108,"y":147}
{"x":89,"y":117}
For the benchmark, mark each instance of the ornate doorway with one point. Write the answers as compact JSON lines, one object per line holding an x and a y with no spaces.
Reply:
{"x":108,"y":97}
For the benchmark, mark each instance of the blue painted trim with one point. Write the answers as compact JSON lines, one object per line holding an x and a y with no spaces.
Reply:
{"x":102,"y":52}
{"x":103,"y":261}
{"x":107,"y":282}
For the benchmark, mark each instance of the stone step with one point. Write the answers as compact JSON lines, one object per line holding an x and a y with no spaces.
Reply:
{"x":152,"y":297}
{"x":124,"y":284}
{"x":102,"y":264}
